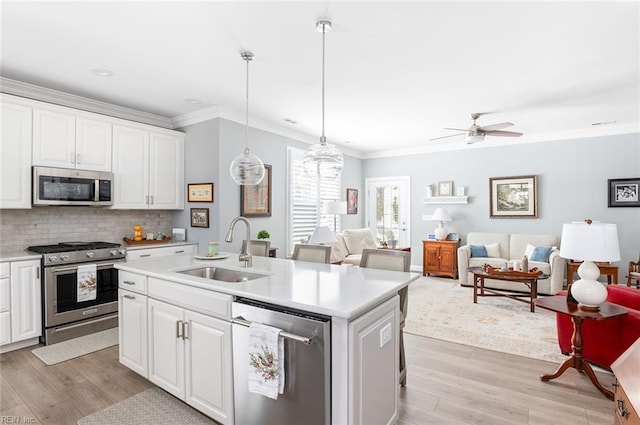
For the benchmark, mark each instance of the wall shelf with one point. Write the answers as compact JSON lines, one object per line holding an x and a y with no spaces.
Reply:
{"x":432,"y":200}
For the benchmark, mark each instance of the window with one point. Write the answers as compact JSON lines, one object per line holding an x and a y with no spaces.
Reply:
{"x":306,"y":195}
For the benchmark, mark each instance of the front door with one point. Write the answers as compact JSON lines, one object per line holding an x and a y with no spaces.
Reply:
{"x":388,"y":206}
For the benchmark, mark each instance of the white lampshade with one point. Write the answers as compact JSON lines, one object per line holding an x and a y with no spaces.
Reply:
{"x":589,"y":241}
{"x":440,"y":215}
{"x":322,"y":235}
{"x":334,"y":207}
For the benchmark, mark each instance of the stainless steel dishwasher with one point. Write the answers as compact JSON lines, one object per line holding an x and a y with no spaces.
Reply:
{"x":307,"y":352}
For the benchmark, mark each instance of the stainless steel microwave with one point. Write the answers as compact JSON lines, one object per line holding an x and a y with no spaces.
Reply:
{"x":62,"y":186}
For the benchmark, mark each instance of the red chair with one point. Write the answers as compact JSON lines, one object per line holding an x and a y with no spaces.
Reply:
{"x":605,"y":340}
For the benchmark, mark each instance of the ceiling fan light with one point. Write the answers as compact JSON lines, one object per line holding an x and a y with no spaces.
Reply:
{"x":473,"y":138}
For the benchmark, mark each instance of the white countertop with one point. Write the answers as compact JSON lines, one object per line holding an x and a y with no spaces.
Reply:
{"x":17,"y":255}
{"x":338,"y":291}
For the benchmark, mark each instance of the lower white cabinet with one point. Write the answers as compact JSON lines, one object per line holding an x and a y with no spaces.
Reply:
{"x":159,"y":251}
{"x":132,"y":308}
{"x":190,"y":357}
{"x":21,"y":305}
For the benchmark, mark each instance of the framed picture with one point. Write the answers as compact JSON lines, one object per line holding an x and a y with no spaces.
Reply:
{"x":431,"y":237}
{"x":255,"y":201}
{"x":624,"y":192}
{"x":453,"y":237}
{"x":199,"y":217}
{"x":445,"y":188}
{"x":460,"y":191}
{"x":352,"y":201}
{"x":200,"y":192}
{"x":513,"y":197}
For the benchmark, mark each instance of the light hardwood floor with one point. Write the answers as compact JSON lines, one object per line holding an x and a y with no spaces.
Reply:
{"x":447,"y":383}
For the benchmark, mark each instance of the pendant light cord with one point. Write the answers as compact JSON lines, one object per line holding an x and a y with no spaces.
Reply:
{"x":323,"y":139}
{"x":246,"y":130}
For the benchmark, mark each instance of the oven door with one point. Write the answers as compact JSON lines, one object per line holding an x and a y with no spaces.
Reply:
{"x":61,"y":305}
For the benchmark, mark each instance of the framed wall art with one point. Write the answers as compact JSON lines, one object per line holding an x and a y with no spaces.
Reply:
{"x":352,"y":201}
{"x":624,"y":192}
{"x":200,"y":192}
{"x":200,"y":217}
{"x":513,"y":197}
{"x":255,"y":201}
{"x":445,"y":188}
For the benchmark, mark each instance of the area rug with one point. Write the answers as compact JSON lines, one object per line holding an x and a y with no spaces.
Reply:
{"x":442,"y":309}
{"x":152,"y":407}
{"x":67,"y":350}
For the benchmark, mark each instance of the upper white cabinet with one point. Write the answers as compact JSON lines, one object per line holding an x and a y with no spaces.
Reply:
{"x":70,"y":139}
{"x":148,"y":169}
{"x":15,"y":155}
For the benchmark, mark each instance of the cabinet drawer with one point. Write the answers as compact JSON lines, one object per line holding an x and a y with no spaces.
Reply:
{"x":624,"y":411}
{"x":200,"y":300}
{"x":159,"y":252}
{"x":5,"y":269}
{"x":132,"y":282}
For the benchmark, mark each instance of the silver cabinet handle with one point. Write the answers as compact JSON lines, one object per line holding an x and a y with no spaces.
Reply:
{"x":179,"y":252}
{"x":185,"y":328}
{"x":73,"y":158}
{"x":151,"y":197}
{"x":129,"y":297}
{"x":128,"y":282}
{"x":179,"y":329}
{"x":145,"y":255}
{"x":146,"y":199}
{"x":303,"y":339}
{"x":77,"y":158}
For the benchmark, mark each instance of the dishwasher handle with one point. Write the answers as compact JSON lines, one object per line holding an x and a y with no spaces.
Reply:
{"x":303,"y":339}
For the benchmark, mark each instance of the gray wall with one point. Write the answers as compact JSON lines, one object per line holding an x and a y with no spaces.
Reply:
{"x":572,"y":185}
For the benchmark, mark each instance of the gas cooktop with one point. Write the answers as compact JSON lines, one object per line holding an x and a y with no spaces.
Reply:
{"x":71,"y":246}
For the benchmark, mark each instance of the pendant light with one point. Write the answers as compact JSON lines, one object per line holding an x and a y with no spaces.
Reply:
{"x":323,"y":159}
{"x":246,"y":168}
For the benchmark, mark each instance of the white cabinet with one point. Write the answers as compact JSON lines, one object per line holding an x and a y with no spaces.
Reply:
{"x":148,"y":169}
{"x":190,"y":357}
{"x":15,"y":155}
{"x":20,"y":308}
{"x":133,"y":331}
{"x":65,"y":138}
{"x":158,"y":251}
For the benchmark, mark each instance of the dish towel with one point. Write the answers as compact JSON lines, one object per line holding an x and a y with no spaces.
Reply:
{"x":87,"y":282}
{"x":266,"y":360}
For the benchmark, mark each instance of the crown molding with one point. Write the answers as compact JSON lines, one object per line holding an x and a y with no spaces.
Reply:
{"x":43,"y":94}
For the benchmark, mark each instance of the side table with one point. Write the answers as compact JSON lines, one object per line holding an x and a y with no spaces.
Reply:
{"x":559,"y":304}
{"x":607,"y":269}
{"x":440,"y":258}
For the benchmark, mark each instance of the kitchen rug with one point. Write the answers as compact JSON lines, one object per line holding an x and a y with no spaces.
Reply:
{"x":152,"y":407}
{"x":67,"y":350}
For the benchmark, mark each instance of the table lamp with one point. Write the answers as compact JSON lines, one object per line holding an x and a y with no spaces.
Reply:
{"x":589,"y":241}
{"x":336,"y":208}
{"x":322,"y":235}
{"x":440,"y":215}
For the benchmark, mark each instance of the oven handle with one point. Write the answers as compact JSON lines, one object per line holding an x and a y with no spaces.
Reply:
{"x":74,"y":268}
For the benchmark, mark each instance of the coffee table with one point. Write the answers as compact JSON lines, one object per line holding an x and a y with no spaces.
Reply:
{"x":559,"y":304}
{"x":527,"y":297}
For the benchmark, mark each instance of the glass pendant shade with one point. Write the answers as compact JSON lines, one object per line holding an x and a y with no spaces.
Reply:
{"x":247,"y":169}
{"x":324,"y":160}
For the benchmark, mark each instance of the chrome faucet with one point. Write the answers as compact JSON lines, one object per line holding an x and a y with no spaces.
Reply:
{"x":245,"y":253}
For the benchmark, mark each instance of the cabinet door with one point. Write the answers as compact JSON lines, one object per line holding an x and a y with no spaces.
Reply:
{"x":133,"y":331}
{"x":166,"y":347}
{"x":54,"y":138}
{"x":93,"y":144}
{"x":448,"y":258}
{"x":15,"y":157}
{"x":208,"y":366}
{"x":5,"y":327}
{"x":130,"y":167}
{"x":432,"y":257}
{"x":26,"y":315}
{"x":166,"y":172}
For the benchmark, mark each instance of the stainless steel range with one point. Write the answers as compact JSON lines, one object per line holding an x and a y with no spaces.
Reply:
{"x":67,"y":310}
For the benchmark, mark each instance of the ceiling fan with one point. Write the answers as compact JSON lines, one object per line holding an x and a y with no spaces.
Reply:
{"x":476,"y":133}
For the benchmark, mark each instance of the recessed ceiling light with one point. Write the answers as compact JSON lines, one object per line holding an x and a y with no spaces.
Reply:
{"x":193,"y":101}
{"x":290,"y":121}
{"x":102,"y":72}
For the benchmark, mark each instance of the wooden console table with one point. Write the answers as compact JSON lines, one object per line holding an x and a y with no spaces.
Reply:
{"x":440,"y":258}
{"x":559,"y":304}
{"x":607,"y":269}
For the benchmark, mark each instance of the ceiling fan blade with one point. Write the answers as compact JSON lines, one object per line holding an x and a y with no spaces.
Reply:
{"x":503,"y":133}
{"x":458,"y":129}
{"x":496,"y":126}
{"x":445,"y":137}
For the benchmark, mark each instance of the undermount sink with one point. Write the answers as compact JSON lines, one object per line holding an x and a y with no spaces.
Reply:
{"x":224,"y":275}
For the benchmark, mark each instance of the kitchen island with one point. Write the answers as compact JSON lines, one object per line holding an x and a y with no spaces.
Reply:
{"x":362,"y":305}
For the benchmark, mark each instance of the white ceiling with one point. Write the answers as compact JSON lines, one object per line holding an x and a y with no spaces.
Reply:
{"x":396,"y":72}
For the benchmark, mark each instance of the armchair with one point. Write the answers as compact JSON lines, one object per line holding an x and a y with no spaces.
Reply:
{"x":606,"y":340}
{"x":633,"y":275}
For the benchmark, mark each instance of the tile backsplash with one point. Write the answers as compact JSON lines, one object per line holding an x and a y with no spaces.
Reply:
{"x":47,"y":225}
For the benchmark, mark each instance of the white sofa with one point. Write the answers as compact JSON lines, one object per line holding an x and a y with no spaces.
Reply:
{"x":512,"y":247}
{"x":351,"y":242}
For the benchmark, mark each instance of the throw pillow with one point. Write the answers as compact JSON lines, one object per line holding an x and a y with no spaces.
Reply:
{"x":529,"y":250}
{"x":493,"y":250}
{"x":541,"y":254}
{"x":358,"y":239}
{"x":478,"y":251}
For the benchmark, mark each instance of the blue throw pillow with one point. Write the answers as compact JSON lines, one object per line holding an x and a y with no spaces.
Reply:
{"x":478,"y":251}
{"x":541,"y":254}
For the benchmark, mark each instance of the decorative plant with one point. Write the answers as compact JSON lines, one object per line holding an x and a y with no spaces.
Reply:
{"x":263,"y":234}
